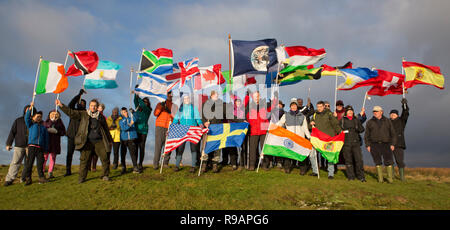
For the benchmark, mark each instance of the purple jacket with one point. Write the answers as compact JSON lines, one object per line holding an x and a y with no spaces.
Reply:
{"x":55,"y":138}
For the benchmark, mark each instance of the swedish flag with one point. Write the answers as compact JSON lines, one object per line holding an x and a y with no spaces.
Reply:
{"x":225,"y":135}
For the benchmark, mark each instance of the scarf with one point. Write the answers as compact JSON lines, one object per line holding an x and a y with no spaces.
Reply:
{"x":93,"y":115}
{"x":350,"y":117}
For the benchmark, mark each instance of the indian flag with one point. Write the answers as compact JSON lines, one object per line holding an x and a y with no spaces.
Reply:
{"x":328,"y":146}
{"x":104,"y":77}
{"x":52,"y":78}
{"x":281,"y":142}
{"x":416,"y":73}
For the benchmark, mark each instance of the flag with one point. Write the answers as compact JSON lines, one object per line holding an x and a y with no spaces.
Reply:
{"x":301,"y":56}
{"x":152,"y":85}
{"x":51,"y":78}
{"x":85,"y":62}
{"x":209,"y":76}
{"x":237,"y":82}
{"x":416,"y":73}
{"x":333,"y":71}
{"x":253,"y":57}
{"x":357,"y":77}
{"x":328,"y":146}
{"x":178,"y":134}
{"x":157,"y":61}
{"x":225,"y":135}
{"x":104,"y":77}
{"x":387,"y":83}
{"x":281,"y":142}
{"x":184,"y":71}
{"x":298,"y":75}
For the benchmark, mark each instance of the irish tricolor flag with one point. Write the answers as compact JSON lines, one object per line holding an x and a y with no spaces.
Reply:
{"x":328,"y":146}
{"x":281,"y":142}
{"x":52,"y":78}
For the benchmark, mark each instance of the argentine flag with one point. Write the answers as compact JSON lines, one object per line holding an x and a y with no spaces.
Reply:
{"x":104,"y":77}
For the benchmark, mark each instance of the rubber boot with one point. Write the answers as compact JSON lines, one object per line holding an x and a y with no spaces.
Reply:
{"x":389,"y":173}
{"x":402,"y":173}
{"x":380,"y":173}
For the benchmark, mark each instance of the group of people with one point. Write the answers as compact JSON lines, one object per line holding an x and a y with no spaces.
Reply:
{"x":96,"y":136}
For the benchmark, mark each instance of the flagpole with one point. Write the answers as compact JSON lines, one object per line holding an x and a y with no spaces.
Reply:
{"x":365,"y":97}
{"x":261,"y":155}
{"x":335,"y":89}
{"x":36,"y":78}
{"x":65,"y":63}
{"x":202,"y":153}
{"x":139,"y":67}
{"x":131,"y":83}
{"x":403,"y":83}
{"x":164,"y":154}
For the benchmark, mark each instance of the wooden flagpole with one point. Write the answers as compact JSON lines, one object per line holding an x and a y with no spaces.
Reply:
{"x":35,"y":79}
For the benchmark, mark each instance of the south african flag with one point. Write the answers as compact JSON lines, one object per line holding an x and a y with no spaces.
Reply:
{"x":157,"y":62}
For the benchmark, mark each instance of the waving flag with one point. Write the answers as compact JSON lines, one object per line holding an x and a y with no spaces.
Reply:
{"x":51,"y":78}
{"x":387,"y":83}
{"x":289,"y":78}
{"x":357,"y":77}
{"x":85,"y":63}
{"x":104,"y":77}
{"x":328,"y":146}
{"x":152,"y":85}
{"x":253,"y":57}
{"x":157,"y":61}
{"x":416,"y":73}
{"x":333,"y":71}
{"x":281,"y":142}
{"x":178,"y":134}
{"x":184,"y":71}
{"x":225,"y":135}
{"x":302,"y":56}
{"x":209,"y":76}
{"x":237,"y":82}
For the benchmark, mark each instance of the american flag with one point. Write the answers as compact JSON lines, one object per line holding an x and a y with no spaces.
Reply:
{"x":184,"y":70}
{"x":178,"y":134}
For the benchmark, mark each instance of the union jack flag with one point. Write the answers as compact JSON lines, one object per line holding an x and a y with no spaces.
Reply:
{"x":184,"y":71}
{"x":178,"y":134}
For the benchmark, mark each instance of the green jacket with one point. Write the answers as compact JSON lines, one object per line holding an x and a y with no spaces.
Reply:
{"x":82,"y":134}
{"x":326,"y":122}
{"x":142,"y":116}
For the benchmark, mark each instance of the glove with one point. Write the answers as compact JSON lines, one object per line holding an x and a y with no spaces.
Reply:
{"x":404,"y":101}
{"x":81,"y":91}
{"x":52,"y":130}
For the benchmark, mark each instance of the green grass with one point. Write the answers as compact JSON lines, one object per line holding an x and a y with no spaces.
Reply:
{"x":268,"y":190}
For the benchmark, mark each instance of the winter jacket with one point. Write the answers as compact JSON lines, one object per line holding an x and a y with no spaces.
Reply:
{"x":188,"y":115}
{"x":18,"y":134}
{"x":399,"y":126}
{"x":55,"y":138}
{"x":380,"y":131}
{"x":142,"y":115}
{"x":114,"y":128}
{"x":258,"y":116}
{"x":326,"y":122}
{"x":163,"y":114}
{"x":352,"y":128}
{"x":83,"y":130}
{"x":74,"y":123}
{"x":127,"y":131}
{"x":37,"y":133}
{"x":296,"y":123}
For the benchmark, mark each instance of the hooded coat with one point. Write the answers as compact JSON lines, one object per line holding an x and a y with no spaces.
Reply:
{"x":55,"y":138}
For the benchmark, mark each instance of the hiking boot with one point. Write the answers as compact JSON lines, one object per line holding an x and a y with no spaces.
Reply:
{"x":140,"y":168}
{"x":67,"y":174}
{"x":363,"y":180}
{"x":50,"y":175}
{"x":203,"y":169}
{"x":136,"y":170}
{"x":302,"y":173}
{"x":215,"y":168}
{"x":390,"y":178}
{"x":176,"y":169}
{"x":330,"y":177}
{"x":94,"y":170}
{"x":105,"y":178}
{"x":235,"y":167}
{"x":380,"y":174}
{"x":28,"y":181}
{"x":81,"y":180}
{"x":42,"y":180}
{"x":401,"y":171}
{"x":124,"y":170}
{"x":313,"y":174}
{"x":114,"y":166}
{"x":192,"y":170}
{"x":7,"y":183}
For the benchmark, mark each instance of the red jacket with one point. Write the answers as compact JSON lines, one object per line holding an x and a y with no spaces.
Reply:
{"x":259,"y":119}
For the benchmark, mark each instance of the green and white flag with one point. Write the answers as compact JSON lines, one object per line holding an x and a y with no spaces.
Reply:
{"x":52,"y":78}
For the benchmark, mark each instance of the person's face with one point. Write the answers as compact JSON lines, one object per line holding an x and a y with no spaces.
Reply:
{"x":169,"y":96}
{"x":350,"y":113}
{"x":294,"y":107}
{"x":339,"y":107}
{"x":100,"y":109}
{"x":300,"y":102}
{"x":393,"y":116}
{"x":214,"y":97}
{"x":124,"y":112}
{"x":238,"y":103}
{"x":320,"y":108}
{"x":186,"y":100}
{"x":37,"y":118}
{"x":280,"y":106}
{"x":327,"y":106}
{"x":53,"y":116}
{"x":115,"y":112}
{"x":377,"y":114}
{"x":256,"y":97}
{"x":146,"y":101}
{"x":93,"y":107}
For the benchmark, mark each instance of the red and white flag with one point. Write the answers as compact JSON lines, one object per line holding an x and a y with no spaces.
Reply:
{"x":387,"y":83}
{"x":178,"y":134}
{"x":209,"y":76}
{"x":301,"y":55}
{"x":184,"y":70}
{"x":86,"y":62}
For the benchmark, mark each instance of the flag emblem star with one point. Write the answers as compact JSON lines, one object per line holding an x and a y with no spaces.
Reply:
{"x":102,"y":73}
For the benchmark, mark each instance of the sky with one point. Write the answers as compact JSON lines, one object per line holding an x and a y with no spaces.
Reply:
{"x":368,"y":33}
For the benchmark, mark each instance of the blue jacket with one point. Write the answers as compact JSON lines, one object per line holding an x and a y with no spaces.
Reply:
{"x":128,"y":132}
{"x":188,"y":115}
{"x":37,"y":133}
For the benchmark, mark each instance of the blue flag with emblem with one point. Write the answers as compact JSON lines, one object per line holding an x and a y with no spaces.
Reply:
{"x":225,"y":135}
{"x":253,"y":57}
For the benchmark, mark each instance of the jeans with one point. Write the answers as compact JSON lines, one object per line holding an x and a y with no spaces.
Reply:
{"x":180,"y":150}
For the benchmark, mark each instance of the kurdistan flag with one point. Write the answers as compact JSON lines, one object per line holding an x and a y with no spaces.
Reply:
{"x":281,"y":142}
{"x":328,"y":146}
{"x":52,"y":78}
{"x":416,"y":73}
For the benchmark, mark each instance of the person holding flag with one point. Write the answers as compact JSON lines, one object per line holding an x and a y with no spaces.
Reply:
{"x":164,"y":115}
{"x":399,"y":123}
{"x":143,"y":111}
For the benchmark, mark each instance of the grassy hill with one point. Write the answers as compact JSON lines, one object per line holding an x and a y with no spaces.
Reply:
{"x":424,"y":189}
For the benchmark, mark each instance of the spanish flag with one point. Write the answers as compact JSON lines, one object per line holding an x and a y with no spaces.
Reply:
{"x":416,"y":73}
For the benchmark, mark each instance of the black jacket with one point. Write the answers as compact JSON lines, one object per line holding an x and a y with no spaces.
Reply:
{"x":354,"y":128}
{"x":380,"y":131}
{"x":399,"y":126}
{"x":18,"y":134}
{"x":74,"y":123}
{"x":214,"y":111}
